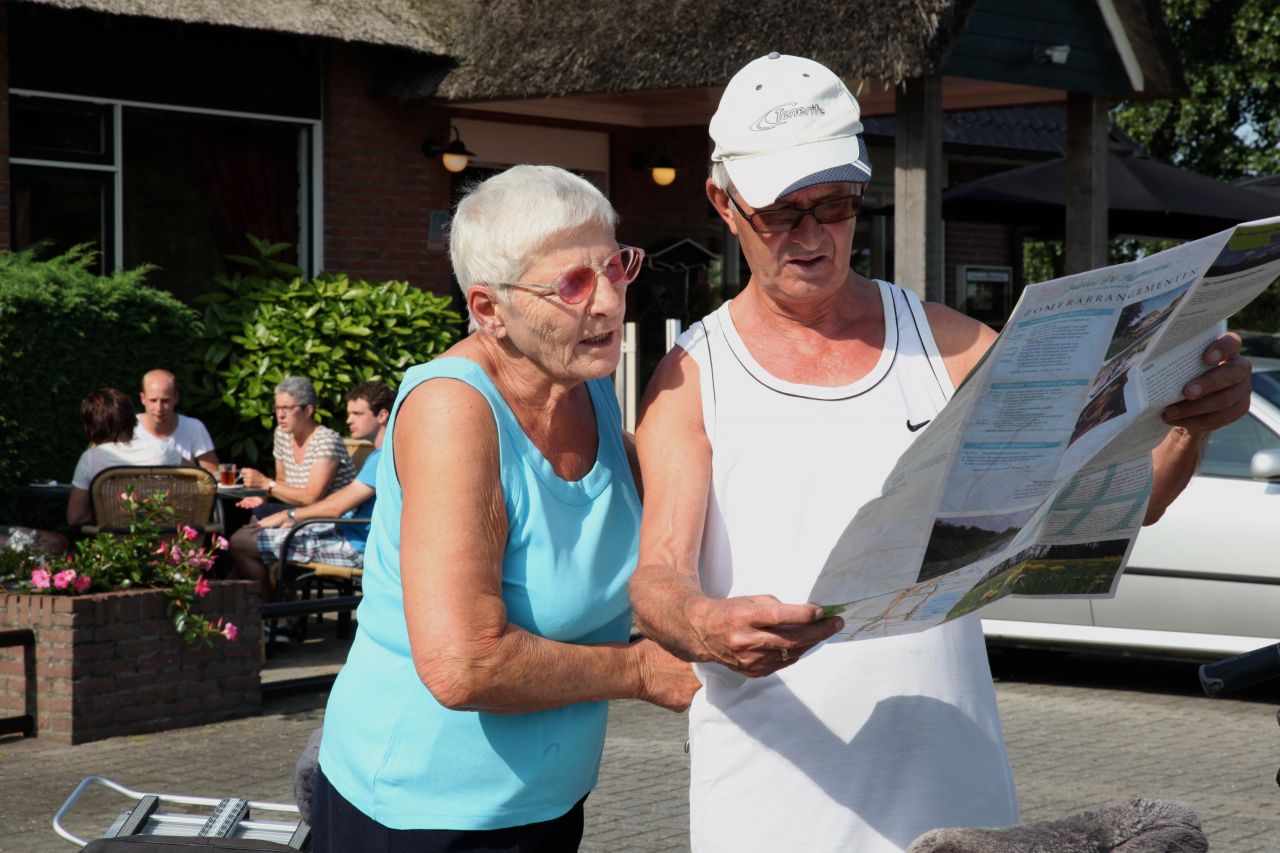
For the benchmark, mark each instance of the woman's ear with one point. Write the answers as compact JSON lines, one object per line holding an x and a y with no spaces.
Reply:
{"x":487,"y":311}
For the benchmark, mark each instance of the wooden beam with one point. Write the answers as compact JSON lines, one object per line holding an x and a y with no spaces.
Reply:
{"x":917,"y":187}
{"x":1086,"y":174}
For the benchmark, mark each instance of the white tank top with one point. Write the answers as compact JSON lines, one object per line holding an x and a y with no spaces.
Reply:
{"x":860,"y":746}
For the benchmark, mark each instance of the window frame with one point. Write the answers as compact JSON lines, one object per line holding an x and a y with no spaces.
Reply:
{"x":310,"y":169}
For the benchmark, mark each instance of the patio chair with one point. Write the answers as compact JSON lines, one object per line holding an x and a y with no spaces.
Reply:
{"x":191,"y":491}
{"x":358,"y":449}
{"x":305,"y":577}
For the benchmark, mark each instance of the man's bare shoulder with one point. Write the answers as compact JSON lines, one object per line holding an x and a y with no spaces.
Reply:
{"x":673,"y":393}
{"x":961,"y":340}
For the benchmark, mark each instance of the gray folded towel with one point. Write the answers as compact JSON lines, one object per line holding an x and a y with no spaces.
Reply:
{"x":304,"y":774}
{"x":1138,"y":826}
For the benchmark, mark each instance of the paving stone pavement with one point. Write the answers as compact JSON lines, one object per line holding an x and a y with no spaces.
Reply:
{"x":1075,"y":740}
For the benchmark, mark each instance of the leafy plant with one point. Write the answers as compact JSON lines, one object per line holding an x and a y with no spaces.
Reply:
{"x":141,"y":557}
{"x":268,"y":322}
{"x":64,"y":331}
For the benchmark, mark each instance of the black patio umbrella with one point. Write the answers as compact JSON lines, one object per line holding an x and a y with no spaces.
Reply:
{"x":1145,"y":198}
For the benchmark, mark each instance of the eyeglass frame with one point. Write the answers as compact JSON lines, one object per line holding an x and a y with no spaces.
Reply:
{"x":276,"y":410}
{"x":598,"y":270}
{"x":802,"y":211}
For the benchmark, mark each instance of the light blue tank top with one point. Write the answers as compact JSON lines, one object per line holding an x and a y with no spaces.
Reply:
{"x":410,"y":763}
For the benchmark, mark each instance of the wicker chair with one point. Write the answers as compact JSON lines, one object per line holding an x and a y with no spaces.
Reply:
{"x":358,"y":449}
{"x":191,"y":491}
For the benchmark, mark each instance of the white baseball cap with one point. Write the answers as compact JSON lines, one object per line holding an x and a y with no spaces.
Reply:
{"x":785,"y":123}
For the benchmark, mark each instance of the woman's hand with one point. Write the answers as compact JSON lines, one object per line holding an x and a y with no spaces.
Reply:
{"x":253,"y":478}
{"x":665,"y":680}
{"x":251,"y":503}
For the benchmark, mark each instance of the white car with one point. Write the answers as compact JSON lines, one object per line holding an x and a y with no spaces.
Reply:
{"x":1201,"y":583}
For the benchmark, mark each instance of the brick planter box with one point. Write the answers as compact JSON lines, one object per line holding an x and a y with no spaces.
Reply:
{"x":111,"y":663}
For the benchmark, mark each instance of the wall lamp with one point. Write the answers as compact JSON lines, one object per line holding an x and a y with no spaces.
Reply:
{"x":1052,"y":55}
{"x":454,"y":155}
{"x":658,"y":164}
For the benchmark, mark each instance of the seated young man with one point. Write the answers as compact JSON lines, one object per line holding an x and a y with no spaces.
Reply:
{"x":368,"y":409}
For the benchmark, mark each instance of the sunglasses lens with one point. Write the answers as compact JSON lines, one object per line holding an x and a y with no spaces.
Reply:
{"x":576,"y":285}
{"x":837,"y":210}
{"x":622,"y":266}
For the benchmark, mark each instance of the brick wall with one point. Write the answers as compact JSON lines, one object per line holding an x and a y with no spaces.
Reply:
{"x":649,"y":212}
{"x":111,"y":663}
{"x":379,"y":189}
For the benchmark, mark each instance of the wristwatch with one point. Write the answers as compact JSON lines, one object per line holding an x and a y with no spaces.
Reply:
{"x":271,"y":484}
{"x":292,"y":513}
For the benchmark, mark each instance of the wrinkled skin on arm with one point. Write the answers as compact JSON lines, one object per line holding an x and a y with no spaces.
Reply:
{"x":464,"y":649}
{"x":745,"y":633}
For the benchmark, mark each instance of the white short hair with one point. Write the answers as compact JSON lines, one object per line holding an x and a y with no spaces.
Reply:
{"x":720,"y":176}
{"x":501,"y":223}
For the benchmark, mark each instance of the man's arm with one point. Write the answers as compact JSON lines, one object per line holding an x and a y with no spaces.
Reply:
{"x":746,"y":633}
{"x":208,"y":461}
{"x":345,"y":499}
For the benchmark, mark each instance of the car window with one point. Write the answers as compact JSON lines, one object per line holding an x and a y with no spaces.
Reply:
{"x":1231,"y":447}
{"x":1267,"y":383}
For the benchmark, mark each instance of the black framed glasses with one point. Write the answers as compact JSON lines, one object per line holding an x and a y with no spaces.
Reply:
{"x":783,"y":219}
{"x":577,"y":284}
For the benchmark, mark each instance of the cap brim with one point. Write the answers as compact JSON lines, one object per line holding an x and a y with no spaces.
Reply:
{"x":763,"y":179}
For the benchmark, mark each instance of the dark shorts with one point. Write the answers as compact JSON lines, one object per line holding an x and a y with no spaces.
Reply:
{"x":339,"y":827}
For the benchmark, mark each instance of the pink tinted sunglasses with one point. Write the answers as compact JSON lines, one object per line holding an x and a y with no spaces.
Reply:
{"x":577,"y":285}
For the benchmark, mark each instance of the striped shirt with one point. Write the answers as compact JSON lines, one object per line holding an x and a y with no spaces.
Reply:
{"x":324,"y":443}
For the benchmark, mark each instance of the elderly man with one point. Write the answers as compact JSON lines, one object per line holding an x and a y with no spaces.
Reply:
{"x":161,"y":422}
{"x":254,"y":546}
{"x":760,"y":434}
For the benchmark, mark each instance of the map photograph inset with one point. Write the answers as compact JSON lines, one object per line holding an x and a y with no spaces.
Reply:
{"x":957,"y":542}
{"x":1087,"y":568}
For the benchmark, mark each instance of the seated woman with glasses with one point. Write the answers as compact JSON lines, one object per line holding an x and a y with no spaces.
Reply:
{"x":495,"y":621}
{"x":108,"y":418}
{"x":311,"y":461}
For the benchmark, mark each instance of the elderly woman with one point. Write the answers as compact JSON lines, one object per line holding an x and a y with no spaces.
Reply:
{"x":108,"y":418}
{"x":471,"y":712}
{"x":311,"y":461}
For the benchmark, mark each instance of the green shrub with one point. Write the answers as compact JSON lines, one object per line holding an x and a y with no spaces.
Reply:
{"x":65,"y":331}
{"x":269,"y":322}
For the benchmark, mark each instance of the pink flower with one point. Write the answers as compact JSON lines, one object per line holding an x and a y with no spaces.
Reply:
{"x":163,"y":549}
{"x":63,"y":579}
{"x":221,"y":543}
{"x":189,"y":533}
{"x":40,"y":578}
{"x":82,"y":583}
{"x":202,"y":588}
{"x":231,"y":632}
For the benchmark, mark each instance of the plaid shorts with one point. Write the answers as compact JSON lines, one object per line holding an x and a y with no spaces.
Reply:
{"x":316,"y":543}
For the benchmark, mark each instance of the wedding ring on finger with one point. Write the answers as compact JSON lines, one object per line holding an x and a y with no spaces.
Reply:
{"x":786,"y":655}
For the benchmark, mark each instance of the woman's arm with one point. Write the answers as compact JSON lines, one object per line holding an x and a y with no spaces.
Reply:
{"x":79,"y":507}
{"x":453,"y":533}
{"x":319,"y":479}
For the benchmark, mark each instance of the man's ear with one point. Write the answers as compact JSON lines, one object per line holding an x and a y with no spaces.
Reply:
{"x":383,"y":417}
{"x":720,"y":201}
{"x":487,"y":311}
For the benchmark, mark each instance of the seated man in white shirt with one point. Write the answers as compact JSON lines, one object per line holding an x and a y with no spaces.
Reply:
{"x":108,"y":422}
{"x":161,"y":422}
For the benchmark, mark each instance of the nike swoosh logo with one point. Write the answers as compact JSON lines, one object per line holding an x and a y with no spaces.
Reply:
{"x":915,"y":427}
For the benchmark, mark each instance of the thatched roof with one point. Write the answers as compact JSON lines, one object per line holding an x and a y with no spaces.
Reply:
{"x":472,"y":50}
{"x":531,"y":48}
{"x":418,"y":25}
